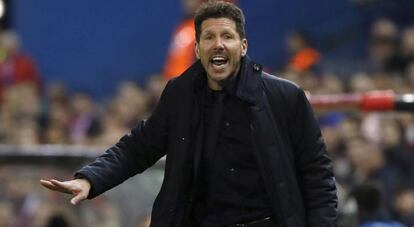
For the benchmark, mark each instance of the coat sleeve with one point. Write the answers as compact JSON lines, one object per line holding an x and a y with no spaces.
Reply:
{"x":134,"y":153}
{"x":313,"y":166}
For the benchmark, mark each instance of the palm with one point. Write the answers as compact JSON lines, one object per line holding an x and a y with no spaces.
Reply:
{"x":78,"y":187}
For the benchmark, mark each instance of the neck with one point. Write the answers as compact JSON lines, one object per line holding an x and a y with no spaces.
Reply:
{"x":219,"y":85}
{"x":214,"y":85}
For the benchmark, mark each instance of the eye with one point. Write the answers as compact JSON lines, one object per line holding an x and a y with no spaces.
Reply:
{"x":207,"y":37}
{"x":228,"y":36}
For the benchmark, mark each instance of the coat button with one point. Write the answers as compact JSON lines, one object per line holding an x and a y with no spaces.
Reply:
{"x":256,"y":67}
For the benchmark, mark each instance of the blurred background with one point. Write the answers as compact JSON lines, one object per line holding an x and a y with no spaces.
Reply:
{"x":77,"y":75}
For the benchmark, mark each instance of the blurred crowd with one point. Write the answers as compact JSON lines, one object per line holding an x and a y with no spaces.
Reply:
{"x":33,"y":113}
{"x":57,"y":117}
{"x":372,"y":152}
{"x":23,"y":204}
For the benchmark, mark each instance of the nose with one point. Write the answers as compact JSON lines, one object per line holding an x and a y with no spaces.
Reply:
{"x":218,"y":44}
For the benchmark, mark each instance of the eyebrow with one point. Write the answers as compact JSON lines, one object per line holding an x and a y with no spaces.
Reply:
{"x":208,"y":31}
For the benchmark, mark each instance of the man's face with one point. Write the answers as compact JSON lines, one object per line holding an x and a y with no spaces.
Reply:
{"x":220,"y":49}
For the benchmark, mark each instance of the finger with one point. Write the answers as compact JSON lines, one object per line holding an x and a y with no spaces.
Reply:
{"x":78,"y":198}
{"x":48,"y":184}
{"x":64,"y":187}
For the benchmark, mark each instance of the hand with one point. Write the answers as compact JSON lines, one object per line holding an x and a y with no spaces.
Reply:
{"x":78,"y":187}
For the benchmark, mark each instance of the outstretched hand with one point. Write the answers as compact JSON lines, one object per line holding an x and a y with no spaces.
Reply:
{"x":78,"y":187}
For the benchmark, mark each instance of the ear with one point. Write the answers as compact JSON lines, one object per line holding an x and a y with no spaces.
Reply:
{"x":196,"y":49}
{"x":244,"y":46}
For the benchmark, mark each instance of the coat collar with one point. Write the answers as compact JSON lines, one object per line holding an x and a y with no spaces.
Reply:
{"x":248,"y":87}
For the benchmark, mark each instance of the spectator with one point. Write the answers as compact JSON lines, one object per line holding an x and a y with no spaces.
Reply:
{"x":155,"y":86}
{"x":304,"y":57}
{"x":370,"y":164}
{"x":15,"y":66}
{"x":181,"y":52}
{"x":57,"y":221}
{"x":83,"y":126}
{"x":393,"y":143}
{"x":407,"y":45}
{"x":132,"y":103}
{"x":113,"y":125}
{"x":361,"y":82}
{"x":383,"y":47}
{"x":57,"y":125}
{"x":370,"y":206}
{"x":404,"y":206}
{"x":21,"y":111}
{"x":409,"y":75}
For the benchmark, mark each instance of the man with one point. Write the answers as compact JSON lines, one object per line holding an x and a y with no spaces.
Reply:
{"x":243,"y":147}
{"x":371,"y":208}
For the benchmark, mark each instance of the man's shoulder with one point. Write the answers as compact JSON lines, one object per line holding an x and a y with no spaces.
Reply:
{"x":181,"y":87}
{"x":189,"y":78}
{"x":180,"y":83}
{"x":275,"y":82}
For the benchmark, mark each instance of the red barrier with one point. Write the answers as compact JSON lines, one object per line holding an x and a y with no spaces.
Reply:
{"x":368,"y":101}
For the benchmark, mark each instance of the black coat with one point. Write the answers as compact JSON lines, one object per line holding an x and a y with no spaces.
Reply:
{"x":287,"y":142}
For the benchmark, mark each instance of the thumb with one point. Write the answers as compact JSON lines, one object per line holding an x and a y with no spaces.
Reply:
{"x":78,"y":198}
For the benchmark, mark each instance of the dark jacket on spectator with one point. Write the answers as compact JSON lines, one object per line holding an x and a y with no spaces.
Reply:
{"x":288,"y":148}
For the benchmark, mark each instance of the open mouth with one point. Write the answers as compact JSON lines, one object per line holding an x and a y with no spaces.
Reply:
{"x":219,"y":60}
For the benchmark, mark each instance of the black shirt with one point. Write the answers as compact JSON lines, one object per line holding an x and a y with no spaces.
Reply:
{"x":231,"y":189}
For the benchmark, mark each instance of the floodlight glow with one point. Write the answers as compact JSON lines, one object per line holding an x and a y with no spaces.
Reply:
{"x":2,"y":9}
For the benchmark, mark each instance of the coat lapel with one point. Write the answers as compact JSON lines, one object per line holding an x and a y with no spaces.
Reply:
{"x":250,"y":88}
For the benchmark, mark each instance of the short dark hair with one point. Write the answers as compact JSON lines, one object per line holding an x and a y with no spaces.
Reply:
{"x":368,"y":196}
{"x":219,"y":9}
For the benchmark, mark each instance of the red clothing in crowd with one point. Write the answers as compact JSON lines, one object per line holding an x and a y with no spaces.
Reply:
{"x":181,"y":54}
{"x":305,"y":59}
{"x":17,"y":69}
